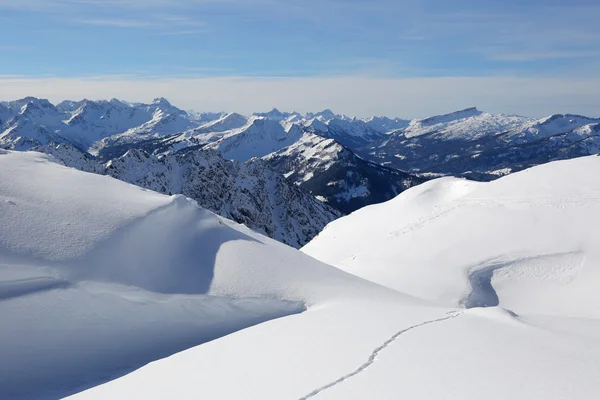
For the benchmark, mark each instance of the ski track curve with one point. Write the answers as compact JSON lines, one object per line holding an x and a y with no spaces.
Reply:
{"x":375,"y":353}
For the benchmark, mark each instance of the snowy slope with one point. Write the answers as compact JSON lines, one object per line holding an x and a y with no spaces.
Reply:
{"x":260,"y":137}
{"x":223,"y":124}
{"x":545,"y":348}
{"x":98,"y":277}
{"x":90,"y":121}
{"x":533,"y":233}
{"x":352,"y":133}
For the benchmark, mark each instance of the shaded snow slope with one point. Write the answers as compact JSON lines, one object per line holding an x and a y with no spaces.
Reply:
{"x":98,"y":277}
{"x":527,"y":241}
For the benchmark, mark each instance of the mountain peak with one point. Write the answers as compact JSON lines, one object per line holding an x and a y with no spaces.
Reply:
{"x":118,"y":102}
{"x":273,"y":114}
{"x":161,"y":101}
{"x":456,"y":115}
{"x":327,"y":113}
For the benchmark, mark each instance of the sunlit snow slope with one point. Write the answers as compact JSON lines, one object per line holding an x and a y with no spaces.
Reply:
{"x":528,"y":241}
{"x":525,"y":242}
{"x":98,"y":277}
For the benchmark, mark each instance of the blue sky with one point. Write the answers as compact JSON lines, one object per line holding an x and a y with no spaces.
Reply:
{"x":74,"y":42}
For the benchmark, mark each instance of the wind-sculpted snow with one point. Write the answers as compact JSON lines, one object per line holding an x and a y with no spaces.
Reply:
{"x":99,"y":277}
{"x":101,"y":280}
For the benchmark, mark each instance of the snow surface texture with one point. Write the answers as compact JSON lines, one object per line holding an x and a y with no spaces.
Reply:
{"x":98,"y":277}
{"x":530,"y":238}
{"x":388,"y":347}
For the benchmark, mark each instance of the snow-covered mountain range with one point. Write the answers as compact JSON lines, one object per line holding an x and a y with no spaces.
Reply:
{"x":482,"y":145}
{"x":344,"y":162}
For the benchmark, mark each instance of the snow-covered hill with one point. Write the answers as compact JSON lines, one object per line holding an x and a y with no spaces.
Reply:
{"x":99,"y":277}
{"x":527,"y":241}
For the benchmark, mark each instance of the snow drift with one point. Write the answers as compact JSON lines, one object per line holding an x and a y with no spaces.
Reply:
{"x":99,"y":280}
{"x":98,"y":277}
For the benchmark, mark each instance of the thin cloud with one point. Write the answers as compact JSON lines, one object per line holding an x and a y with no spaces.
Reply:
{"x":185,"y":32}
{"x":120,"y":23}
{"x":553,"y":55}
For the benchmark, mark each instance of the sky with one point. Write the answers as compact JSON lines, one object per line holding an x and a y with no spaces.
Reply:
{"x":403,"y":58}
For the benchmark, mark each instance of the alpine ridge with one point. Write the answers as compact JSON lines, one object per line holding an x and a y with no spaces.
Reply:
{"x":343,"y":162}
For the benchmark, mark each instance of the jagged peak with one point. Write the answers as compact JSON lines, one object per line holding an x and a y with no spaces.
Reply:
{"x":327,"y":113}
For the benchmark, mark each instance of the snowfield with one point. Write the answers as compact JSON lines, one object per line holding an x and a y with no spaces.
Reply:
{"x":98,"y":277}
{"x":454,"y":290}
{"x":534,"y":234}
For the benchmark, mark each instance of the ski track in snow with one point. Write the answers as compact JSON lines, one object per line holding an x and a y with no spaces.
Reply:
{"x":440,"y":211}
{"x":375,"y":353}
